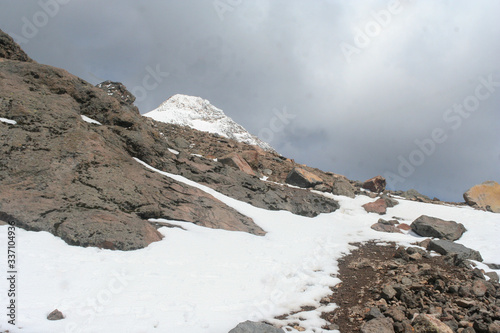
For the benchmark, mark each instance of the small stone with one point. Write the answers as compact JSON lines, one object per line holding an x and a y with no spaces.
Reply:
{"x":373,"y":313}
{"x":415,"y":256}
{"x":55,"y":315}
{"x":378,"y":325}
{"x":388,"y":292}
{"x":479,"y":288}
{"x":493,"y":276}
{"x":465,"y":303}
{"x":395,"y":314}
{"x":427,"y":323}
{"x":494,"y":327}
{"x":403,"y":226}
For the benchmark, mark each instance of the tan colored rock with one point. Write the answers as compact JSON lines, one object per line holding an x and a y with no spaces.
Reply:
{"x":485,"y":196}
{"x":424,"y":323}
{"x":236,"y":161}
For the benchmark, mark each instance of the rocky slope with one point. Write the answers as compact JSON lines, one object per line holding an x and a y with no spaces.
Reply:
{"x":78,"y":179}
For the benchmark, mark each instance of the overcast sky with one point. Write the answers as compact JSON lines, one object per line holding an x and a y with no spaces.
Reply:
{"x":405,"y":89}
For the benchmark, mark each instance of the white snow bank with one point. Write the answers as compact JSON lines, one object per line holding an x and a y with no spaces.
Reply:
{"x":202,"y":280}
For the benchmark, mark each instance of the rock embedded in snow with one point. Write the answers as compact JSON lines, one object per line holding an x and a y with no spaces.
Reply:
{"x":254,"y":327}
{"x":484,"y":196}
{"x":428,"y":226}
{"x":379,"y":206}
{"x":385,"y":228}
{"x":343,"y":187}
{"x":199,"y":114}
{"x":445,"y":247}
{"x":302,"y":178}
{"x":55,"y":315}
{"x":375,"y":184}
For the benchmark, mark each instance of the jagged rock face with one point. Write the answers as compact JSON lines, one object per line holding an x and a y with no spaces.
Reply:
{"x":199,"y":114}
{"x":79,"y":181}
{"x":484,"y":196}
{"x":118,"y":91}
{"x":10,"y":50}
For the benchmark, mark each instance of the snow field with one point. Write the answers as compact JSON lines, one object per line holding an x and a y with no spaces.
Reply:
{"x":202,"y":280}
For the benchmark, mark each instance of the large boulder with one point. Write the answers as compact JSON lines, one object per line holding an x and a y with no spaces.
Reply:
{"x":379,"y":206}
{"x":445,"y":247}
{"x":375,"y":184}
{"x":343,"y":187}
{"x":236,"y":161}
{"x":428,"y":226}
{"x":302,"y":178}
{"x":254,"y":327}
{"x":484,"y":196}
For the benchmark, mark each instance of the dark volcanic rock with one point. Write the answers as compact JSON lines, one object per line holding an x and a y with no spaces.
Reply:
{"x":447,"y":247}
{"x":254,"y":327}
{"x":302,"y":178}
{"x":428,"y":226}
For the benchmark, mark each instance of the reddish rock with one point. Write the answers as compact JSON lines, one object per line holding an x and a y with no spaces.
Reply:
{"x":379,"y":206}
{"x":375,"y":184}
{"x":236,"y":161}
{"x":403,"y":226}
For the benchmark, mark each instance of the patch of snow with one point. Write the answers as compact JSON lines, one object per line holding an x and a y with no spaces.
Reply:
{"x":173,"y":151}
{"x":90,"y":120}
{"x":198,"y":155}
{"x":8,"y":121}
{"x":199,"y":114}
{"x":202,"y":280}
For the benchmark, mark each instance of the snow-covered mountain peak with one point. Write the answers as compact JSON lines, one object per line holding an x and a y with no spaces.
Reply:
{"x":199,"y":114}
